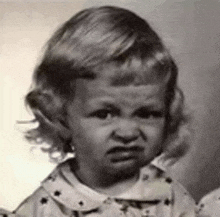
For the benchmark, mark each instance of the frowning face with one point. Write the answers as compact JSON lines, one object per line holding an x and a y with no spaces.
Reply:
{"x":116,"y":129}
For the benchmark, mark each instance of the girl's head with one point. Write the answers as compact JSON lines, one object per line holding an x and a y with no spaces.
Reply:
{"x":107,"y":46}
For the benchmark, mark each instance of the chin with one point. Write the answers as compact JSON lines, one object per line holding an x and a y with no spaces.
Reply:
{"x":124,"y":169}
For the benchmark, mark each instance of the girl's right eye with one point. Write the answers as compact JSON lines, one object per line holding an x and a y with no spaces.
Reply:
{"x":103,"y":114}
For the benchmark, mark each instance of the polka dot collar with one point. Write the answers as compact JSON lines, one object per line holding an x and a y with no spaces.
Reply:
{"x":64,"y":187}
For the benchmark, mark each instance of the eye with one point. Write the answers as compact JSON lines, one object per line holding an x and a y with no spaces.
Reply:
{"x":103,"y":114}
{"x":149,"y":114}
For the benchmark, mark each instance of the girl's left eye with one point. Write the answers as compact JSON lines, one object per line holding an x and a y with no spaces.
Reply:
{"x":103,"y":114}
{"x":146,"y":114}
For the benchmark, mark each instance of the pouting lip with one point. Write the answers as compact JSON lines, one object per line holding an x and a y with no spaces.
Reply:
{"x":121,"y":149}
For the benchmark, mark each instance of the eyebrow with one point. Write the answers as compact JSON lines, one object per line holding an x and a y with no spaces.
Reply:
{"x":133,"y":94}
{"x":104,"y":103}
{"x":111,"y":104}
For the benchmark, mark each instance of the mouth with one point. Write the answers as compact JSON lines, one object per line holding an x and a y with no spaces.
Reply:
{"x":119,"y":154}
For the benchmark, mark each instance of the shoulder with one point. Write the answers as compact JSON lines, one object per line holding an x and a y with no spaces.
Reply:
{"x":40,"y":204}
{"x":180,"y":196}
{"x":209,"y":205}
{"x":182,"y":200}
{"x":30,"y":207}
{"x":36,"y":204}
{"x":50,"y":199}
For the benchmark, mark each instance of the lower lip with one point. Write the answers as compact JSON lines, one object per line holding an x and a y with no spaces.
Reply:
{"x":123,"y":156}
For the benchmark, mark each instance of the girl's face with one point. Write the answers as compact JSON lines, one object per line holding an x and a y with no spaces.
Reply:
{"x":116,"y":129}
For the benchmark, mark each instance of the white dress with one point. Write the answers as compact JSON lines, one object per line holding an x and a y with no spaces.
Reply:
{"x":62,"y":195}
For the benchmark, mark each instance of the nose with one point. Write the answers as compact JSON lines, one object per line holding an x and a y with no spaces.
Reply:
{"x":126,"y":131}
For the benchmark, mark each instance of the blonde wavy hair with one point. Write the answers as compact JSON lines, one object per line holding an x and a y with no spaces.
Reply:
{"x":91,"y":40}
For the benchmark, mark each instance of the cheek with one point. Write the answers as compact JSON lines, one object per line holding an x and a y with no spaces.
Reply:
{"x":92,"y":132}
{"x":154,"y":142}
{"x":103,"y":132}
{"x":154,"y":132}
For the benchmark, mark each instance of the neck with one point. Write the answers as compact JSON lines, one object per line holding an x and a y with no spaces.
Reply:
{"x":105,"y":182}
{"x":118,"y":187}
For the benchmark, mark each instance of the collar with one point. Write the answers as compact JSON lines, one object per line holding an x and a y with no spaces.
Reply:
{"x":63,"y":186}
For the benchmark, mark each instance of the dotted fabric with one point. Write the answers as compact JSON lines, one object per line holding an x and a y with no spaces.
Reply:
{"x":61,"y":195}
{"x":209,"y":205}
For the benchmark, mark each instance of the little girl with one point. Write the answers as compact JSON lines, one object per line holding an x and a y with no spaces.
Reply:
{"x":106,"y":90}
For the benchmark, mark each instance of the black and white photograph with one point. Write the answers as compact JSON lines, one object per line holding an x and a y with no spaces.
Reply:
{"x":110,"y":108}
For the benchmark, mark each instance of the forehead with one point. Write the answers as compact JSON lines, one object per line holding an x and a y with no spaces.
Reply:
{"x":133,"y":71}
{"x":102,"y":90}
